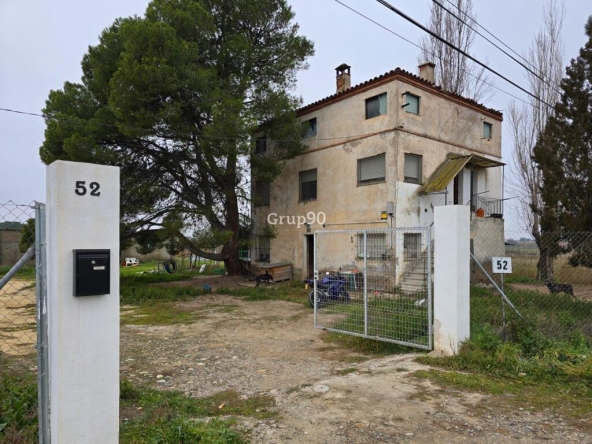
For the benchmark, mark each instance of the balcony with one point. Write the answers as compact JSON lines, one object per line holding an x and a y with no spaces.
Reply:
{"x":487,"y":207}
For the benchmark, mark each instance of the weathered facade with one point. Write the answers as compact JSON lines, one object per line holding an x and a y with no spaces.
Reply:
{"x":396,"y":143}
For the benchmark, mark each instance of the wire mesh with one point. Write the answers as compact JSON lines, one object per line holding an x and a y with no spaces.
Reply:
{"x":18,"y":336}
{"x":375,"y":284}
{"x":550,"y":282}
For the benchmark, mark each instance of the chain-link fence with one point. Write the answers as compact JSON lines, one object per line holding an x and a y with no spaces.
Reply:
{"x":550,"y":283}
{"x":18,"y":323}
{"x":375,"y":284}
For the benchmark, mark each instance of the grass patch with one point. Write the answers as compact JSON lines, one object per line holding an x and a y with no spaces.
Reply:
{"x":516,"y":392}
{"x":136,"y":291}
{"x":158,"y":313}
{"x":366,"y":345}
{"x":169,"y":417}
{"x":345,"y":371}
{"x":32,"y":326}
{"x":396,"y":319}
{"x":517,"y":279}
{"x":27,"y":272}
{"x":152,"y":268}
{"x":292,"y":291}
{"x":545,"y":360}
{"x":155,"y":305}
{"x":18,"y":407}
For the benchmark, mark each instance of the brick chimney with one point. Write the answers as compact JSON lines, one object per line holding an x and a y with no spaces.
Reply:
{"x":343,"y":77}
{"x":426,"y":71}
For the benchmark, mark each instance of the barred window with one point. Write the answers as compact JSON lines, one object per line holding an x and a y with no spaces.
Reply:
{"x":376,"y":245}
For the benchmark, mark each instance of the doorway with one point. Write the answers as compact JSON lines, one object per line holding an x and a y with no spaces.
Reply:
{"x":309,"y":255}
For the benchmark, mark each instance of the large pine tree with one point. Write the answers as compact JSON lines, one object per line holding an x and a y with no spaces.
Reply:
{"x":174,"y":98}
{"x":564,"y":152}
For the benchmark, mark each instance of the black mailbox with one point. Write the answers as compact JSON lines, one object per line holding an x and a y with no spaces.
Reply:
{"x":91,"y":272}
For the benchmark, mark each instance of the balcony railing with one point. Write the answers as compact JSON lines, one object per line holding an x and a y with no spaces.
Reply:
{"x":487,"y":206}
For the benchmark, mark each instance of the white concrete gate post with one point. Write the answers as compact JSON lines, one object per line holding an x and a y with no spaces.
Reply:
{"x":83,"y":213}
{"x":451,"y":277}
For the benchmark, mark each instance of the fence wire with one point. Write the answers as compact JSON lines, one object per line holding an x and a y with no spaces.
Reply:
{"x":375,"y":284}
{"x":551,"y":279}
{"x":18,"y":335}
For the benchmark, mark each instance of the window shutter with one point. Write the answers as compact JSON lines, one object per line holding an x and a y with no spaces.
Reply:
{"x":308,"y":185}
{"x":372,"y":168}
{"x":412,"y":166}
{"x":308,"y":176}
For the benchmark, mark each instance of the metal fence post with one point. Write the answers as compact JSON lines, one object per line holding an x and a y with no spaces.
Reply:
{"x":42,"y":340}
{"x":315,"y":279}
{"x":365,"y":282}
{"x":429,"y":285}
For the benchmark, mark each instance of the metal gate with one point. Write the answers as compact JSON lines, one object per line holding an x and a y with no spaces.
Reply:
{"x":24,"y":379}
{"x":375,"y":284}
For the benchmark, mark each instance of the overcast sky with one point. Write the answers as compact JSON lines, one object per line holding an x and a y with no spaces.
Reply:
{"x":42,"y":43}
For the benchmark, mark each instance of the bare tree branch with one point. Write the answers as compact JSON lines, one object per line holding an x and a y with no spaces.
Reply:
{"x":454,"y":72}
{"x":527,"y":122}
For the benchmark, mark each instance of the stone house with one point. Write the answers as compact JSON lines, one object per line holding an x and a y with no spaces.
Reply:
{"x":396,"y":144}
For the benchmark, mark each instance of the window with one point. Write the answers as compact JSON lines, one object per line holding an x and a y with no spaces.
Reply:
{"x":264,"y":250}
{"x":308,"y":185}
{"x":244,"y":254}
{"x":262,"y":193}
{"x":375,"y":245}
{"x":261,"y":144}
{"x":487,"y":127}
{"x":411,"y":103}
{"x":311,"y":127}
{"x":371,"y":169}
{"x":411,"y":246}
{"x":376,"y":106}
{"x":412,"y":168}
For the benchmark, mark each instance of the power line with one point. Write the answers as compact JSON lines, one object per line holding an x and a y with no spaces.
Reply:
{"x":492,"y":35}
{"x":496,"y":46}
{"x":446,"y":42}
{"x":345,"y":139}
{"x":22,"y":112}
{"x":431,"y":53}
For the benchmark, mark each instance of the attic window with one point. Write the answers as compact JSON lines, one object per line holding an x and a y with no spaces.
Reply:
{"x":376,"y":106}
{"x":311,"y":127}
{"x":411,"y":103}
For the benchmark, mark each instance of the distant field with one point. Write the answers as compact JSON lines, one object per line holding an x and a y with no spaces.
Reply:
{"x":524,"y":265}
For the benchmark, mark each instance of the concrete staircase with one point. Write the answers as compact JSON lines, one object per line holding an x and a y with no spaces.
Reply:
{"x":415,"y":278}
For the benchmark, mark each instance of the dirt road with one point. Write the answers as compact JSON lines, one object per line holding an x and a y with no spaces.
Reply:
{"x":324,"y":393}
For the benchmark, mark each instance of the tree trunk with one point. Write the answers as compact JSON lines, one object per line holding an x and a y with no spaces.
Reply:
{"x":232,"y":262}
{"x":545,"y":262}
